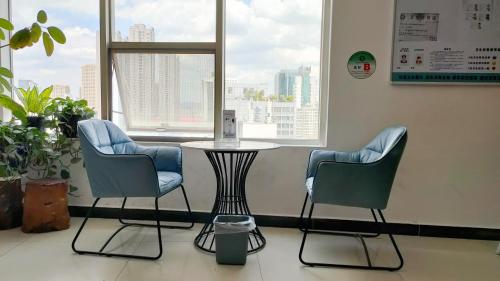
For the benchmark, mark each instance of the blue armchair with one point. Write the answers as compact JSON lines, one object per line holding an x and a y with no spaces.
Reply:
{"x":362,"y":179}
{"x":117,"y":167}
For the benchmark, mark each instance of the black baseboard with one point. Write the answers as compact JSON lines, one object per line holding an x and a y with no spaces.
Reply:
{"x":292,"y":222}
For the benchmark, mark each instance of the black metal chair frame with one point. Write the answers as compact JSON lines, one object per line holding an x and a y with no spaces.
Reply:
{"x":125,"y":224}
{"x":306,"y":229}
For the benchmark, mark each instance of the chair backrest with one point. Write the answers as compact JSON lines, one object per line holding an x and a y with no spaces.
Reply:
{"x":106,"y":137}
{"x":365,"y":183}
{"x":382,"y":144}
{"x":113,"y":168}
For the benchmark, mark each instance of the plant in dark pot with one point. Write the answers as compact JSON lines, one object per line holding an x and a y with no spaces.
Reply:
{"x":68,"y":112}
{"x":13,"y":164}
{"x":32,"y":107}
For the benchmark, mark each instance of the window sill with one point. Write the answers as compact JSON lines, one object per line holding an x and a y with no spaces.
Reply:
{"x":178,"y":140}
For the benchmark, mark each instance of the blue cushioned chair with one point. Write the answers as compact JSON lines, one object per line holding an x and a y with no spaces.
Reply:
{"x":362,"y":178}
{"x":119,"y":168}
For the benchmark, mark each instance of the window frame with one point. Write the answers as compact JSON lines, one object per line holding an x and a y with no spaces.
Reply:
{"x":6,"y":53}
{"x":108,"y":47}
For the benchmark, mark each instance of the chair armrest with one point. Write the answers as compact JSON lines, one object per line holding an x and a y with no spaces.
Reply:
{"x":317,"y":156}
{"x":122,"y":175}
{"x":365,"y":185}
{"x":165,"y":158}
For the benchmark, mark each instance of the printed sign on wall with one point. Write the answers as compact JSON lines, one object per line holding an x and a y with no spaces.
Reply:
{"x":361,"y":65}
{"x":446,"y":41}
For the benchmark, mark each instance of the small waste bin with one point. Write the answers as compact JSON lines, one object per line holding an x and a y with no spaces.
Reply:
{"x":231,"y":238}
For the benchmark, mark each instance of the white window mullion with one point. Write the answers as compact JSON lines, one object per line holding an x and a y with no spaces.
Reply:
{"x":165,"y":47}
{"x":105,"y":12}
{"x":219,"y":67}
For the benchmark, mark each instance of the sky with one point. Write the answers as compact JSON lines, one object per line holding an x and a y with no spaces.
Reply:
{"x":263,"y":36}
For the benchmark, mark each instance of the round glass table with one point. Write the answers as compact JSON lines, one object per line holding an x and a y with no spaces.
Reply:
{"x":231,"y":162}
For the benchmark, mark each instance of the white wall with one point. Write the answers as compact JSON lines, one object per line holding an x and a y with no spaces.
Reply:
{"x":449,"y":174}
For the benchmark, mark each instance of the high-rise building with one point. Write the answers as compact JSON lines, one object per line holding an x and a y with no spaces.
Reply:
{"x":60,"y":91}
{"x":283,"y":115}
{"x":89,"y":89}
{"x":168,"y":87}
{"x":193,"y":70}
{"x":307,"y":122}
{"x":285,"y":84}
{"x":142,"y":102}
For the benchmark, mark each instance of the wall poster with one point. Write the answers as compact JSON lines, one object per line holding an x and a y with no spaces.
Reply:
{"x":446,"y":41}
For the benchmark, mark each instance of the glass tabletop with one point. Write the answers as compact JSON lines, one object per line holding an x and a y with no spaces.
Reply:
{"x":230,"y":145}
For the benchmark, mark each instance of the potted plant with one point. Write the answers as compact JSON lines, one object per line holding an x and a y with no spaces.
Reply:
{"x":13,"y":164}
{"x":32,"y":109}
{"x":68,"y":112}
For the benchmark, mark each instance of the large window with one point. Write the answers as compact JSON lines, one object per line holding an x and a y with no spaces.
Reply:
{"x":73,"y":69}
{"x":173,"y":66}
{"x":273,"y":54}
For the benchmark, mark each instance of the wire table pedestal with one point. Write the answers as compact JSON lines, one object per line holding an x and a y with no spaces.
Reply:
{"x":231,"y":168}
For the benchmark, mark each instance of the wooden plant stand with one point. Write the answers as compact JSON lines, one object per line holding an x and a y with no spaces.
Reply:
{"x":46,"y":206}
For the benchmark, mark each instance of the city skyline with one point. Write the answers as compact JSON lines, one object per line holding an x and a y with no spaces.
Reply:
{"x":178,"y":90}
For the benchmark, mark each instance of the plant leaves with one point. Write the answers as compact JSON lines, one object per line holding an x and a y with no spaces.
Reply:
{"x":57,"y":34}
{"x":36,"y":32}
{"x":48,"y":44}
{"x":5,"y":83}
{"x":16,"y":109}
{"x":5,"y":24}
{"x":20,"y":39}
{"x":2,"y":35}
{"x":41,"y":17}
{"x":5,"y":72}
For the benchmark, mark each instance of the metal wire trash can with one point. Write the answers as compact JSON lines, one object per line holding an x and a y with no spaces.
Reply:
{"x":231,"y":238}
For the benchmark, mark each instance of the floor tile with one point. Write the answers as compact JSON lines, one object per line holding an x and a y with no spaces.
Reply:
{"x":182,"y":261}
{"x":48,"y":256}
{"x":55,"y":261}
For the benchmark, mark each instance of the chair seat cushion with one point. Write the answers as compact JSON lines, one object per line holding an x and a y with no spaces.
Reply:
{"x":168,"y":181}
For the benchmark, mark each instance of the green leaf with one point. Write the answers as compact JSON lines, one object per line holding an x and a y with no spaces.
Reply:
{"x":5,"y":83}
{"x":41,"y":17}
{"x":17,"y":110}
{"x":2,"y":35}
{"x":5,"y":72}
{"x":65,"y":174}
{"x":20,"y":39}
{"x":57,"y":34}
{"x":48,"y":44}
{"x":36,"y":32}
{"x":5,"y":24}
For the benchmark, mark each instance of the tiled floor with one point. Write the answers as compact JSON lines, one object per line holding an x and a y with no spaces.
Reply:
{"x":48,"y":256}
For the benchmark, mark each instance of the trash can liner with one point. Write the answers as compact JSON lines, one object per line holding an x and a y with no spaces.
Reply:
{"x":227,"y":224}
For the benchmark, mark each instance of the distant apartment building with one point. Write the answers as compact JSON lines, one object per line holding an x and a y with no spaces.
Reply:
{"x":89,"y":89}
{"x":307,"y":122}
{"x":60,"y":91}
{"x":286,"y":83}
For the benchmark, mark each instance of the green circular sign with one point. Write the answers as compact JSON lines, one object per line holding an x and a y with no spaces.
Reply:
{"x":362,"y":65}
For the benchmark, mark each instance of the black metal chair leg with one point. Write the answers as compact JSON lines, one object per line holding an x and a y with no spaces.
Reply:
{"x":364,"y":235}
{"x":191,"y":218}
{"x":369,"y":266}
{"x":107,"y":254}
